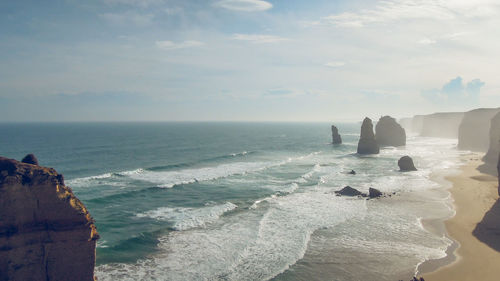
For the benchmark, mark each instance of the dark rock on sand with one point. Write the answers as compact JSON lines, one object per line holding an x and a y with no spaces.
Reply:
{"x":374,"y":193}
{"x":336,"y":138}
{"x":389,"y":132}
{"x":367,"y":143}
{"x":46,"y":233}
{"x":348,"y":191}
{"x":30,"y":159}
{"x":405,"y":163}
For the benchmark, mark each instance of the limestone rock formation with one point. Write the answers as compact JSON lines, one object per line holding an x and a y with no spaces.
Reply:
{"x":498,"y":172}
{"x":491,"y":157}
{"x":367,"y":143}
{"x":473,"y":133}
{"x":30,"y":159}
{"x":348,"y":191}
{"x":374,"y":193}
{"x":405,"y":163}
{"x":46,"y":233}
{"x":336,"y":138}
{"x":389,"y":132}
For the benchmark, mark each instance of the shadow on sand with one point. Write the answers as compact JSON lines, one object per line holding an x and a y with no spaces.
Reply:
{"x":488,"y":230}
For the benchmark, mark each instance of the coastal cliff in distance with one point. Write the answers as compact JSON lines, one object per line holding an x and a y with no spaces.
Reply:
{"x":46,"y":233}
{"x":440,"y":124}
{"x":474,"y":130}
{"x":492,"y":156}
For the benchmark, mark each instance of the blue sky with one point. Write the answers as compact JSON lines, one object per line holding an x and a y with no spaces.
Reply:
{"x":245,"y":60}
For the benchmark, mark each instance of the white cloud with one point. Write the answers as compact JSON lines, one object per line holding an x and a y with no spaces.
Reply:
{"x":335,"y":64}
{"x":426,"y":41}
{"x":138,"y":3}
{"x":259,"y":38}
{"x":128,"y":18}
{"x":396,"y":10}
{"x":244,"y":5}
{"x":170,"y":45}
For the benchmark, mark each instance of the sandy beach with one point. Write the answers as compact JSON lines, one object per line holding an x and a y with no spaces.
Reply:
{"x":476,"y":227}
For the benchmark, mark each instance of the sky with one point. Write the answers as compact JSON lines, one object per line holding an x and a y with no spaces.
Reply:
{"x":246,"y":60}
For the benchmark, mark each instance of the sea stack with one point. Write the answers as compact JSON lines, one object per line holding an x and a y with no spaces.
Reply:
{"x":336,"y":138}
{"x":367,"y":143}
{"x":405,"y":164}
{"x":46,"y":233}
{"x":389,"y":132}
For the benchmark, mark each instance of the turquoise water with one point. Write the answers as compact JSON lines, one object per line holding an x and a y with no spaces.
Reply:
{"x":242,"y":201}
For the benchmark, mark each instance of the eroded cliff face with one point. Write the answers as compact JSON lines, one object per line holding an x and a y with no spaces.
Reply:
{"x":389,"y":132}
{"x":474,"y":130}
{"x":441,"y":124}
{"x":491,"y":157}
{"x":46,"y":233}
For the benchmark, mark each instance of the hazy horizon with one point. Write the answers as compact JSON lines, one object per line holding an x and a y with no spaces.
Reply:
{"x":245,"y":60}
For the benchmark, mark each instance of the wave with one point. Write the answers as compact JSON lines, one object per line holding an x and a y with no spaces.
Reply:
{"x":187,"y":218}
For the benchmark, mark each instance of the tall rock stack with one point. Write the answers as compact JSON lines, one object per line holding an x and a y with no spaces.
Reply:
{"x":46,"y":233}
{"x":336,"y":138}
{"x":367,"y":143}
{"x":389,"y":133}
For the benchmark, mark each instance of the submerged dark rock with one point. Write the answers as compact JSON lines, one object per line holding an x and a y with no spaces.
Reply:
{"x":336,"y":138}
{"x":389,"y":132}
{"x":30,"y":159}
{"x":46,"y":233}
{"x":367,"y":143}
{"x":405,"y":163}
{"x":374,"y":193}
{"x":352,"y":172}
{"x":348,"y":191}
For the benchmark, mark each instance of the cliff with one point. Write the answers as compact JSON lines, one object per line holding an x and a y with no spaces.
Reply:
{"x":46,"y":233}
{"x":491,"y":157}
{"x":389,"y":132}
{"x":441,"y":124}
{"x":473,"y":133}
{"x":367,"y":143}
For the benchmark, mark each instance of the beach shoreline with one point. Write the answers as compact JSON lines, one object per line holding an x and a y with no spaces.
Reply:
{"x":469,"y":258}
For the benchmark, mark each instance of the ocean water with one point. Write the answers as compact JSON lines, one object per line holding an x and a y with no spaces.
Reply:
{"x":245,"y":201}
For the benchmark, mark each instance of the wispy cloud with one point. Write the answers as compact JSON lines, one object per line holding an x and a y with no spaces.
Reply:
{"x":244,"y":5}
{"x":138,"y":3}
{"x":170,"y":45}
{"x":426,"y":41}
{"x":335,"y":64}
{"x":396,"y":10}
{"x":259,"y":38}
{"x":128,"y":17}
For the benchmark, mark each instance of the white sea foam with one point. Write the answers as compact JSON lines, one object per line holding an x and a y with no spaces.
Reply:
{"x":186,"y":218}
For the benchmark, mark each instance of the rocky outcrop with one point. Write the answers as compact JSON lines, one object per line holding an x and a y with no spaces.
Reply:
{"x":336,"y":138}
{"x":30,"y":159}
{"x":374,"y":193}
{"x":473,"y":133}
{"x":441,"y":124}
{"x":491,"y":157}
{"x":389,"y":132}
{"x":348,"y":191}
{"x":405,"y":164}
{"x":367,"y":143}
{"x":46,"y":233}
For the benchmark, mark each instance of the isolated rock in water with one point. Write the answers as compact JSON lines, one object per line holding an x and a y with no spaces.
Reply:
{"x":336,"y":139}
{"x":46,"y":233}
{"x":352,"y":172}
{"x":374,"y":193}
{"x":389,"y":132}
{"x":348,"y":191}
{"x":405,"y":163}
{"x":491,"y":157}
{"x":367,"y":143}
{"x":30,"y":159}
{"x":474,"y":130}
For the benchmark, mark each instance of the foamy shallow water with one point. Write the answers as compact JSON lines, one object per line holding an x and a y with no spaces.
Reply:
{"x":301,"y":230}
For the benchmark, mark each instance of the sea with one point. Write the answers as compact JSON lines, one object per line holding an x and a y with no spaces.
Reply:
{"x":247,"y":201}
